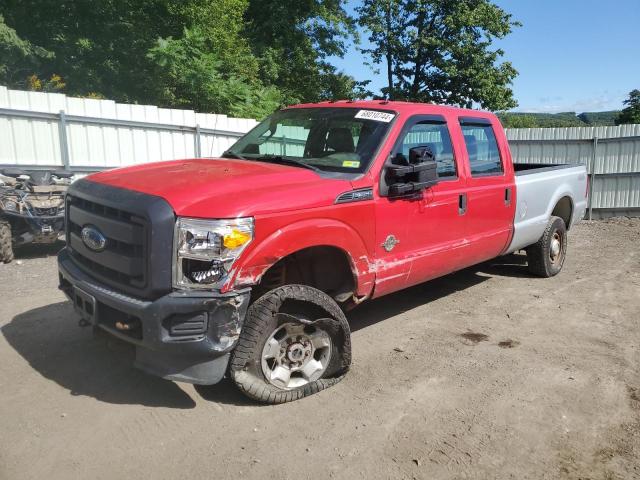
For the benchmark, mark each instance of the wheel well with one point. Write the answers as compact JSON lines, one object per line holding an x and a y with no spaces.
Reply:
{"x":564,"y":210}
{"x":323,"y":267}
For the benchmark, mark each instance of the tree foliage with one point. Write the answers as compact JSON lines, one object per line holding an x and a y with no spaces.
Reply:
{"x":294,"y":40}
{"x":248,"y":57}
{"x":518,"y":120}
{"x":631,"y":113}
{"x":195,"y":75}
{"x":240,"y":57}
{"x":441,"y":50}
{"x":551,"y":120}
{"x":19,"y":58}
{"x":600,"y":118}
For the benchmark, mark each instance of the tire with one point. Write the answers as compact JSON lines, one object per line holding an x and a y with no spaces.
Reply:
{"x":545,"y":258}
{"x":323,"y":338}
{"x":6,"y":248}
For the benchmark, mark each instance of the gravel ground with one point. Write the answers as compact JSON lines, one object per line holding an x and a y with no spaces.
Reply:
{"x":486,"y":373}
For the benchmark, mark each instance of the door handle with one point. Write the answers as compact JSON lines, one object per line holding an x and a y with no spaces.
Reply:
{"x":507,"y":196}
{"x":462,"y":204}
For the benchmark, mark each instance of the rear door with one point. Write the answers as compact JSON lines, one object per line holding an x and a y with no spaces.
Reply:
{"x":490,"y":190}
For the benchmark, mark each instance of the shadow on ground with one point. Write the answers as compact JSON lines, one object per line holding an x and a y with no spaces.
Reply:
{"x":397,"y":303}
{"x":50,"y":339}
{"x":38,"y":250}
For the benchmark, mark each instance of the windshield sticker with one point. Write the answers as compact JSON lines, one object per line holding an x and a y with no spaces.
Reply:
{"x":351,"y":164}
{"x":375,"y":116}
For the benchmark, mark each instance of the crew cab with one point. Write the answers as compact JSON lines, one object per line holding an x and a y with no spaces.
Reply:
{"x":244,"y":265}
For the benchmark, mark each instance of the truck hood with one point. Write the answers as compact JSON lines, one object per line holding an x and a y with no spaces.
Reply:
{"x":227,"y":188}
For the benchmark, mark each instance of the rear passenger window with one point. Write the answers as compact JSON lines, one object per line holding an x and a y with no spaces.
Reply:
{"x":482,"y":147}
{"x":436,"y":137}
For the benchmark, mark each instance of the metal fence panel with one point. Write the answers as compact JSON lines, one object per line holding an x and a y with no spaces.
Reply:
{"x":51,"y":129}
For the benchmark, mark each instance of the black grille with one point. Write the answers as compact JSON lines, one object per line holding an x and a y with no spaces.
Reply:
{"x":123,"y":261}
{"x":137,"y":256}
{"x":45,"y":212}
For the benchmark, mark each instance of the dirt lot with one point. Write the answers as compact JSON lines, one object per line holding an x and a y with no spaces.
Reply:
{"x":488,"y":373}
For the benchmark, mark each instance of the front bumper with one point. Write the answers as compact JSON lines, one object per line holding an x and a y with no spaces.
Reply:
{"x":183,"y":336}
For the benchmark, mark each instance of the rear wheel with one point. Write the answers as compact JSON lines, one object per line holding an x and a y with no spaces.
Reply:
{"x":295,"y":342}
{"x":6,"y":248}
{"x":546,"y":256}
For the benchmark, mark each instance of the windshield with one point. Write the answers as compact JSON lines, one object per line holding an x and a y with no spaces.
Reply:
{"x":331,"y":139}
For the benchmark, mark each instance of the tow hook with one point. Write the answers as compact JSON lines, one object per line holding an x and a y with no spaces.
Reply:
{"x":127,"y":326}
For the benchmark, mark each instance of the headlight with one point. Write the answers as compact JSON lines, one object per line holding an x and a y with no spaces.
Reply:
{"x":9,"y":205}
{"x":206,"y":249}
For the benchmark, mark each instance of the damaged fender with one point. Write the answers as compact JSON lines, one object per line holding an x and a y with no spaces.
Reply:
{"x":297,"y":236}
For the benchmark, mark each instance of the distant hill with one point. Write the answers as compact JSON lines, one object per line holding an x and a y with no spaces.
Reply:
{"x":565,"y":119}
{"x":599,"y":118}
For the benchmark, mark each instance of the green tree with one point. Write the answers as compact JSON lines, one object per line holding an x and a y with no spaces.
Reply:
{"x":631,"y":113}
{"x":229,"y":56}
{"x":98,"y":47}
{"x":386,"y":27}
{"x":441,"y":50}
{"x":19,"y":58}
{"x":294,"y":40}
{"x":211,"y":67}
{"x":193,"y":74}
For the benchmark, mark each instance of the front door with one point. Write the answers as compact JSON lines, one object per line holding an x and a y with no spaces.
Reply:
{"x":420,"y":236}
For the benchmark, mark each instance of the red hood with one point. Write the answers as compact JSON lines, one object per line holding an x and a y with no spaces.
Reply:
{"x":226,"y":188}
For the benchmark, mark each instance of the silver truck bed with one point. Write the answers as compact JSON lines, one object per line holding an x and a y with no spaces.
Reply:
{"x":539,"y":189}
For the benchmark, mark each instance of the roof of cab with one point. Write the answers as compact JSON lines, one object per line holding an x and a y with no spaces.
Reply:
{"x":396,"y":106}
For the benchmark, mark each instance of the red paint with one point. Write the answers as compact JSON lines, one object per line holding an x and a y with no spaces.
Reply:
{"x":294,"y":208}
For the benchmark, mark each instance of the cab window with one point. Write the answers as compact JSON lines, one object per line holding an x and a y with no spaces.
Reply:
{"x":436,"y":137}
{"x":482,"y":147}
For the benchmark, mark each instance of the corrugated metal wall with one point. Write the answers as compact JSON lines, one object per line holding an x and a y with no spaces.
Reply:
{"x":140,"y":133}
{"x":611,"y":154}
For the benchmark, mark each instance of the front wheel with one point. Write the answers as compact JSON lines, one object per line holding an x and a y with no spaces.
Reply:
{"x":6,"y":248}
{"x":546,"y":256}
{"x":295,"y":342}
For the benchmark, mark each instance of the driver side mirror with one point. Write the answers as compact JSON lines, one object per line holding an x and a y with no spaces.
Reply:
{"x":414,"y":174}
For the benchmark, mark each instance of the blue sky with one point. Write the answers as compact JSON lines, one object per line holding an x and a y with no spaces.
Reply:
{"x":571,"y":55}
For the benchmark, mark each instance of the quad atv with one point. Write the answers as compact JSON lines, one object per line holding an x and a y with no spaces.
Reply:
{"x":31,"y":208}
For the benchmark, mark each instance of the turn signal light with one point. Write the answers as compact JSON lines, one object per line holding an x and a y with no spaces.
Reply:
{"x":235,"y":239}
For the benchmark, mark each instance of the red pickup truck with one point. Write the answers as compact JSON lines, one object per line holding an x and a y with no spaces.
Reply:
{"x":244,"y":265}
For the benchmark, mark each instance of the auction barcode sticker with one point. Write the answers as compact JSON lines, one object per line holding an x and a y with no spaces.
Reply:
{"x":376,"y":116}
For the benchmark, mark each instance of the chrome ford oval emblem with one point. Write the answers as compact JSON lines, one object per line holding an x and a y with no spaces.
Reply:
{"x":93,"y":238}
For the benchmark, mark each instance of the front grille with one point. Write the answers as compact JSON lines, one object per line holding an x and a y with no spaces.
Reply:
{"x":137,"y":256}
{"x":123,"y":262}
{"x":45,"y":212}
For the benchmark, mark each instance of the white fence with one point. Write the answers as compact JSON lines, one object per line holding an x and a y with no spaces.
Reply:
{"x":51,"y":129}
{"x":40,"y":130}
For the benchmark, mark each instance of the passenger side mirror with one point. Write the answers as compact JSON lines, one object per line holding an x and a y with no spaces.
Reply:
{"x":414,"y":174}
